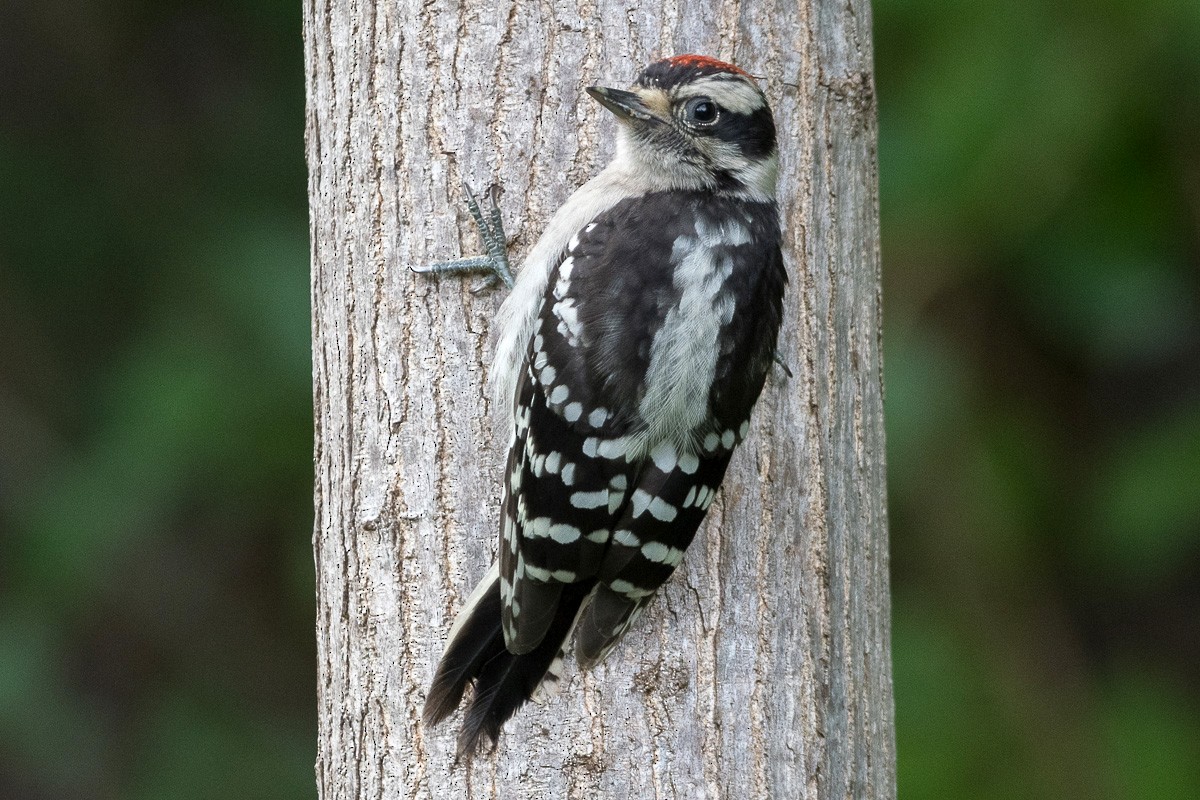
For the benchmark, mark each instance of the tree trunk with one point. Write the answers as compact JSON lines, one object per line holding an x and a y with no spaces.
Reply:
{"x":763,"y":668}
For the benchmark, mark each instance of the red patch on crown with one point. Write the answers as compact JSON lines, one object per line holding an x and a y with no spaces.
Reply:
{"x":694,"y":61}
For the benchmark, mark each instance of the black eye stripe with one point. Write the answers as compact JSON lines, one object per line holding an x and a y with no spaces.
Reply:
{"x":754,"y":133}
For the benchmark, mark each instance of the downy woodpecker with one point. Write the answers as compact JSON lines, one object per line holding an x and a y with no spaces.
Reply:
{"x":632,"y":348}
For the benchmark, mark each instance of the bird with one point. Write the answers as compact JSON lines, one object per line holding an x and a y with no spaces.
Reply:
{"x":632,"y":348}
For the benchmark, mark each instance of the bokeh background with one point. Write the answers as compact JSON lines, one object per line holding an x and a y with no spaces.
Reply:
{"x":1040,"y":168}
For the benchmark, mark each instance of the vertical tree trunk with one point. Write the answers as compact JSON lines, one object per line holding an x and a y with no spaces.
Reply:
{"x":763,"y":669}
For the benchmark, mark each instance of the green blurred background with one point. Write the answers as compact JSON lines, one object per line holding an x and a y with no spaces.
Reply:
{"x":1041,"y":221}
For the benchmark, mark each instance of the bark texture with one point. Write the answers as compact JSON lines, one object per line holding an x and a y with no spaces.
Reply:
{"x":763,"y":669}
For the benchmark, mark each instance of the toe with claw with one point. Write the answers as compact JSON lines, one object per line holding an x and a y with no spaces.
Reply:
{"x":491,"y":231}
{"x":778,"y":359}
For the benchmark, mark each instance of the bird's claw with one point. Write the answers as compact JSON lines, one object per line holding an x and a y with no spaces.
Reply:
{"x":495,"y":244}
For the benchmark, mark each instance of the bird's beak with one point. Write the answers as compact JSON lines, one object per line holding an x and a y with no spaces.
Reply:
{"x":626,"y":105}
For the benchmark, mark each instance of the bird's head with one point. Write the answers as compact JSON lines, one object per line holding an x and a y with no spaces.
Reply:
{"x":693,"y":122}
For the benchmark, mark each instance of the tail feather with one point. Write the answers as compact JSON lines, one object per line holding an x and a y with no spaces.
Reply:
{"x":503,"y":681}
{"x":554,"y":675}
{"x":605,"y":620}
{"x":469,"y":645}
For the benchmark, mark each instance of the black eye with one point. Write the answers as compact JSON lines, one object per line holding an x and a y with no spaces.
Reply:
{"x":701,"y":111}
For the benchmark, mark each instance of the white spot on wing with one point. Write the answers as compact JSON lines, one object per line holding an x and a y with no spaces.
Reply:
{"x":655,"y":551}
{"x":641,"y":501}
{"x":626,"y":538}
{"x":661,"y":553}
{"x":662,"y":510}
{"x":569,"y":326}
{"x":614,"y":448}
{"x":664,"y":456}
{"x":537,"y":573}
{"x":629,"y":590}
{"x":562,"y":288}
{"x":590,"y":499}
{"x":537,"y":528}
{"x":563,"y":533}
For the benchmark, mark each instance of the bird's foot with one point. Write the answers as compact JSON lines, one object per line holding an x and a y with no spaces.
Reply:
{"x":491,"y":231}
{"x":778,"y":359}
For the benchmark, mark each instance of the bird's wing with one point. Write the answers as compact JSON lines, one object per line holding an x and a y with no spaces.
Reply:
{"x":591,"y":492}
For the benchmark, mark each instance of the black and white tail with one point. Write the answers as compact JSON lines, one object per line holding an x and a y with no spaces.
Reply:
{"x":475,"y":654}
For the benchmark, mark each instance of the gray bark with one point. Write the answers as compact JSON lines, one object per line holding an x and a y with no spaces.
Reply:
{"x":763,"y":669}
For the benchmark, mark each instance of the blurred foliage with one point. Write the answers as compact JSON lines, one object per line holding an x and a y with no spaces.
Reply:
{"x":1040,"y":180}
{"x":155,"y":403}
